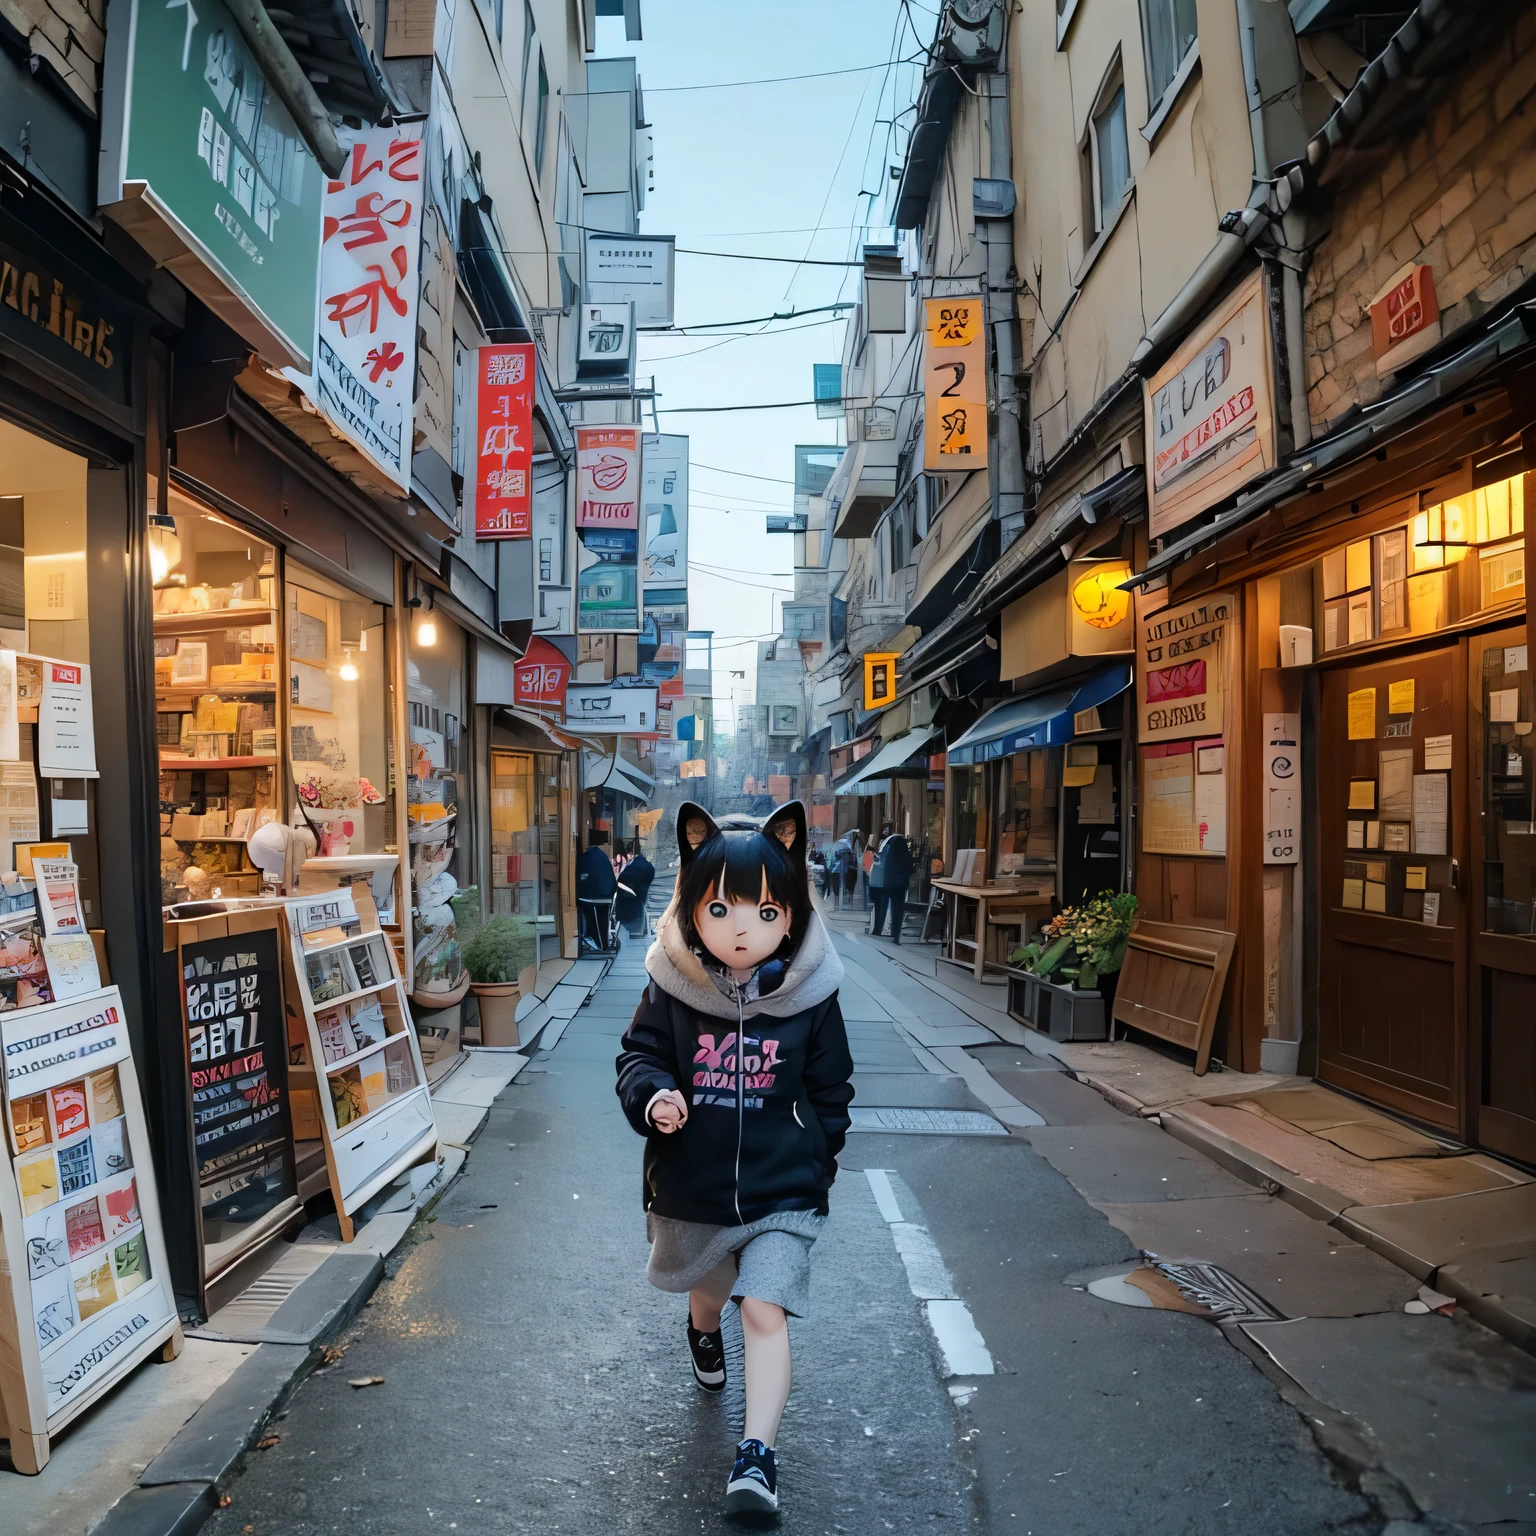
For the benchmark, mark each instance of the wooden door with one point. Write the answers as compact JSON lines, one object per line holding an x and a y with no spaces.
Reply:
{"x":1502,"y":910}
{"x":1391,"y":785}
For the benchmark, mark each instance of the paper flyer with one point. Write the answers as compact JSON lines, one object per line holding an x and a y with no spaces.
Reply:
{"x":66,"y":731}
{"x":58,"y":897}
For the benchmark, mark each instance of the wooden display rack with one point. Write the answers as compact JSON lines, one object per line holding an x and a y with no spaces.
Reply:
{"x":82,"y":1252}
{"x":378,"y":1080}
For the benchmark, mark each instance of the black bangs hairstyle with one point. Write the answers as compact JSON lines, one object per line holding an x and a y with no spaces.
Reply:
{"x":744,"y":852}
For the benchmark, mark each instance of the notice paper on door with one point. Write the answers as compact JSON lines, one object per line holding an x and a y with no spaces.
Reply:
{"x":1400,"y":697}
{"x":1354,"y":894}
{"x":1504,"y":704}
{"x":66,"y":728}
{"x":1397,"y":783}
{"x":1415,"y":876}
{"x":1431,"y":812}
{"x":1362,"y":715}
{"x":1432,"y":908}
{"x":1437,"y":754}
{"x":1375,"y":896}
{"x":1354,"y":834}
{"x":1362,"y":794}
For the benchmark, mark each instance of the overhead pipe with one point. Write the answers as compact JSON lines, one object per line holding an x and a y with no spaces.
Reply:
{"x":289,"y":83}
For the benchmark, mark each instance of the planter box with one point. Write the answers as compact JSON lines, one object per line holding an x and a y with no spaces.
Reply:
{"x":1064,"y":1013}
{"x":1023,"y":996}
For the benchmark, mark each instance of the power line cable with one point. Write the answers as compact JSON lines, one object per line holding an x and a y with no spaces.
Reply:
{"x":740,"y":473}
{"x":729,"y":85}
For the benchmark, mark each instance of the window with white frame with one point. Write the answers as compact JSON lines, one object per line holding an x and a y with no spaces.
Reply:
{"x":1170,"y":29}
{"x":1105,"y":156}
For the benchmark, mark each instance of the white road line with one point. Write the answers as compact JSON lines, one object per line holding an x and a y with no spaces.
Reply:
{"x":885,"y":1196}
{"x":928,"y":1278}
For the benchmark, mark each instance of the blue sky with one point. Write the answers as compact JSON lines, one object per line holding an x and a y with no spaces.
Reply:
{"x":772,"y":169}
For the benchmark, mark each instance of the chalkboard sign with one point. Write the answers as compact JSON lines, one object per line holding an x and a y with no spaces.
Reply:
{"x":237,"y":1054}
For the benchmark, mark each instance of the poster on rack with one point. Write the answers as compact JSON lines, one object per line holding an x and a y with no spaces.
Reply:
{"x":237,"y":1055}
{"x":1180,"y":676}
{"x":608,"y":530}
{"x":504,"y":464}
{"x":90,"y":1248}
{"x":66,"y":728}
{"x":364,"y":377}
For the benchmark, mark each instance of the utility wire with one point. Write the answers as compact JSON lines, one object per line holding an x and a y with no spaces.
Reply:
{"x":794,"y":261}
{"x":728,"y":85}
{"x":741,"y":473}
{"x":778,"y":405}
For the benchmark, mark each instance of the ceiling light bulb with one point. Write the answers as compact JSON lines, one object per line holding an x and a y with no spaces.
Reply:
{"x":164,"y":547}
{"x":348,"y":669}
{"x":426,"y":631}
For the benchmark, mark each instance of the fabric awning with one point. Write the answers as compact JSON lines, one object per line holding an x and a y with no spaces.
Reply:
{"x":1040,"y":720}
{"x":895,"y":752}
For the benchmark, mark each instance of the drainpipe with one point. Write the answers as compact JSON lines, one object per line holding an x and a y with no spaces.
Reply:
{"x":993,"y":205}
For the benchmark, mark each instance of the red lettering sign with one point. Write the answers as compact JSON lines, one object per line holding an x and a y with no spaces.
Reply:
{"x":1404,"y":310}
{"x":1185,"y":681}
{"x":504,"y":467}
{"x":1224,"y":419}
{"x":541,"y":675}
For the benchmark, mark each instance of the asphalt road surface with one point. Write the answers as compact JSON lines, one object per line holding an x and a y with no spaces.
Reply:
{"x":533,"y":1381}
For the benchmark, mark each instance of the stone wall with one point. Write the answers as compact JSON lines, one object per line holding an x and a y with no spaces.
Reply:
{"x":70,"y":35}
{"x":1460,"y":196}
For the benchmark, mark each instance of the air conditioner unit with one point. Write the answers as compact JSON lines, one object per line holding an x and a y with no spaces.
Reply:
{"x":605,"y":343}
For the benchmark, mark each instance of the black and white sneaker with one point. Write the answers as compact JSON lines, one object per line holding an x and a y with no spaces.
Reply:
{"x":708,"y":1355}
{"x":753,"y":1488}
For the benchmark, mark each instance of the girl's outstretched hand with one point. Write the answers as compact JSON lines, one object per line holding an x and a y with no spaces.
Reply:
{"x":668,"y":1111}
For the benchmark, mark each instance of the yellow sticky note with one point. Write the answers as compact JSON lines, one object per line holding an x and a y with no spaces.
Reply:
{"x":1354,"y":894}
{"x":1415,"y":876}
{"x":1400,"y":697}
{"x":1362,"y":794}
{"x":1362,"y":714}
{"x":1081,"y":765}
{"x":1357,"y":565}
{"x":1375,"y":896}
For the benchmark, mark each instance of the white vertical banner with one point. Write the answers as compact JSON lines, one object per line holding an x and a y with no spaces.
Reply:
{"x":1282,"y":789}
{"x":370,"y":285}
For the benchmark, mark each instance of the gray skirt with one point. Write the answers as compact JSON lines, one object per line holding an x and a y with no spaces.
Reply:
{"x":769,"y":1259}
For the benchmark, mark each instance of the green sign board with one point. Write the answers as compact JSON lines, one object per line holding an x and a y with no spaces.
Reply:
{"x":219,"y":159}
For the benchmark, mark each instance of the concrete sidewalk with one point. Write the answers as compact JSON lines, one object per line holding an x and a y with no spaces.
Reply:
{"x":152,"y":1457}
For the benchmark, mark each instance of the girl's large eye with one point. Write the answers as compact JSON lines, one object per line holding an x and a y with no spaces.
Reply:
{"x":769,"y":913}
{"x":719,"y":909}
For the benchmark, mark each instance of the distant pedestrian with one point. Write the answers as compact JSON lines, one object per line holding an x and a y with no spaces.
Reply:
{"x":596,"y":886}
{"x":890,"y":880}
{"x":736,"y":1071}
{"x":845,"y":871}
{"x":634,"y":886}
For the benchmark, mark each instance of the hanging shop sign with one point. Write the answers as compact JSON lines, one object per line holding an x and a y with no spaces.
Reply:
{"x":954,"y":385}
{"x":1405,"y":318}
{"x":608,"y":529}
{"x":633,"y":269}
{"x":880,"y":678}
{"x":1210,"y":412}
{"x":237,"y":1058}
{"x":1080,"y":611}
{"x":1282,"y":789}
{"x":540,"y":677}
{"x":364,"y":376}
{"x":504,"y":472}
{"x":664,"y":503}
{"x":204,"y":166}
{"x":609,"y":711}
{"x":1180,"y":675}
{"x":86,"y":1279}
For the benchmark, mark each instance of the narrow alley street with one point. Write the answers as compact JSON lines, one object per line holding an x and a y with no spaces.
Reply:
{"x":532,"y":1381}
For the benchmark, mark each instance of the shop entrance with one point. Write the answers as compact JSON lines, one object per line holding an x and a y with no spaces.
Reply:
{"x":1502,"y":998}
{"x":1391,"y":1016}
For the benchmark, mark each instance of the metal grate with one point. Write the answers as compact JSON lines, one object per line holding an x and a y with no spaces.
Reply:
{"x":1220,"y":1293}
{"x":926,"y":1122}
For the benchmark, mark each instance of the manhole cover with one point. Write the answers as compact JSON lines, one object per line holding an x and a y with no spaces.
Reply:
{"x":926,"y":1122}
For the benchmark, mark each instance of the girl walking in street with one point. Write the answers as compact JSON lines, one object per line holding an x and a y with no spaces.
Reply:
{"x":736,"y":1071}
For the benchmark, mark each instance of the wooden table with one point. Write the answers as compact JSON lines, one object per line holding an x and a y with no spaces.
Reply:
{"x":995,"y":897}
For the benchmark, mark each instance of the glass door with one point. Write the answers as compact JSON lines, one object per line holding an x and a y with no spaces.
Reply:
{"x":1503,"y":971}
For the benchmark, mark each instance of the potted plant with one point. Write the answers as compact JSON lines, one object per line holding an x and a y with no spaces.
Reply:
{"x":494,"y":955}
{"x":1069,"y":969}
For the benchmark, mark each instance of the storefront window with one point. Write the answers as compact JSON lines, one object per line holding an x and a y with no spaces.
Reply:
{"x":215,"y":699}
{"x":1027,"y":825}
{"x":338,"y":714}
{"x":969,"y":816}
{"x":1510,"y":858}
{"x":525,"y":831}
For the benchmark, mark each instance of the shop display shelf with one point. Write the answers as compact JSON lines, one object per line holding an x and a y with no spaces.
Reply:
{"x":183,"y":698}
{"x":213,"y":618}
{"x":342,"y":1062}
{"x":205,"y":764}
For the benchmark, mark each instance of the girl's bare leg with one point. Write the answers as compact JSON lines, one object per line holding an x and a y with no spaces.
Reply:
{"x":711,"y":1293}
{"x":766,"y":1334}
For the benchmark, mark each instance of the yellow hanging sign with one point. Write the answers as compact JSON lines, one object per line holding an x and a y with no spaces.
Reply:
{"x":954,"y":385}
{"x":879,"y":679}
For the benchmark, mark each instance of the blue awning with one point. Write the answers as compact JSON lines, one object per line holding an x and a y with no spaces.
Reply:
{"x":1040,"y":720}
